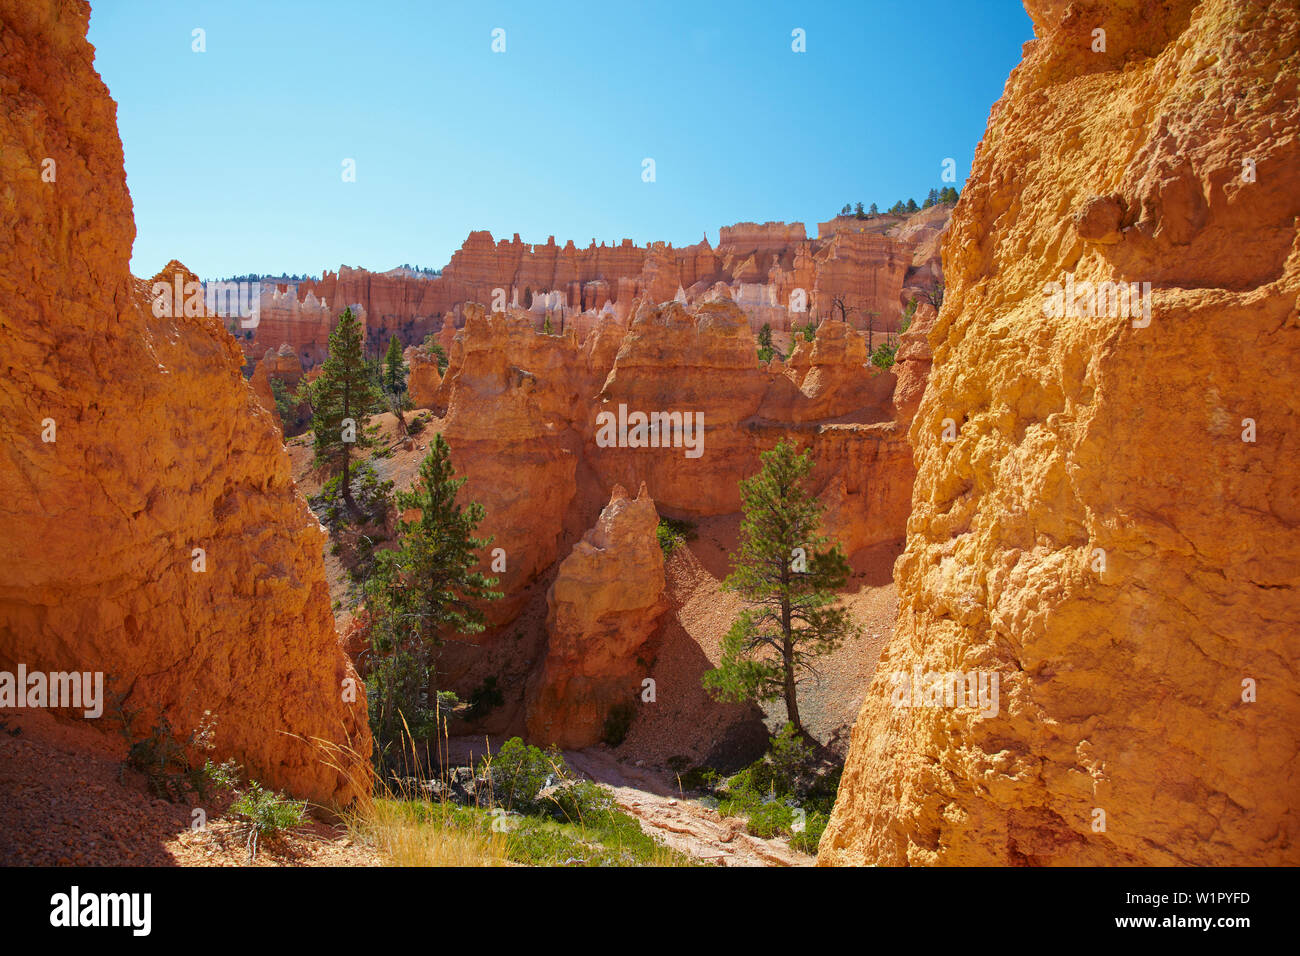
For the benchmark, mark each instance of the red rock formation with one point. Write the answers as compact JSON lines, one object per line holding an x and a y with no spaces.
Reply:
{"x":866,"y":273}
{"x":158,"y":447}
{"x":830,"y":378}
{"x":748,"y":237}
{"x":282,"y":365}
{"x":1105,"y":513}
{"x":604,"y":605}
{"x":423,"y":376}
{"x":701,"y":364}
{"x":304,"y":325}
{"x":767,"y":264}
{"x":912,"y":363}
{"x":399,"y":305}
{"x":510,"y":396}
{"x":925,"y":229}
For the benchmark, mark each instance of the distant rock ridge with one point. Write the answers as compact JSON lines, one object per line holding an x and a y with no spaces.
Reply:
{"x":778,"y":275}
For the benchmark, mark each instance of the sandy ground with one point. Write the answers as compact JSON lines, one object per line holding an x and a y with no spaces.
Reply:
{"x":64,"y":801}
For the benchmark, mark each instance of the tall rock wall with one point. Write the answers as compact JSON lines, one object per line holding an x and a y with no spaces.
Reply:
{"x":1097,"y":533}
{"x":159,"y":448}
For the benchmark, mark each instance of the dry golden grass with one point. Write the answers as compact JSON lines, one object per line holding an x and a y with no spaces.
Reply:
{"x":405,"y":836}
{"x":406,"y":829}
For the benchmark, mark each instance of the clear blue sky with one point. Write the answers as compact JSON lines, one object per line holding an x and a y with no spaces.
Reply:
{"x":234,"y":156}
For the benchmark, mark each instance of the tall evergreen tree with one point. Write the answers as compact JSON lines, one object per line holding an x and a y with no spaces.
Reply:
{"x":788,"y":574}
{"x":394,"y":377}
{"x":342,"y":398}
{"x":423,"y":590}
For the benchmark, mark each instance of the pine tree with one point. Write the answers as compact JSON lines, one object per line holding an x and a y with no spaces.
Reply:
{"x":394,"y":379}
{"x":874,"y":210}
{"x":788,"y":573}
{"x":342,"y":398}
{"x":912,"y":206}
{"x":423,"y":590}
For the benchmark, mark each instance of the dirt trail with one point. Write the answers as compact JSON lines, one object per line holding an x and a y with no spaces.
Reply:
{"x":680,"y":822}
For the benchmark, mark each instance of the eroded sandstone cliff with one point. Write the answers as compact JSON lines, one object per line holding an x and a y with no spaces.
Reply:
{"x":149,"y":526}
{"x":1111,"y":527}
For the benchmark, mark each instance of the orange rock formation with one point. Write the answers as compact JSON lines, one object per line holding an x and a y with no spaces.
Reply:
{"x":282,"y":364}
{"x":1112,"y":527}
{"x":604,"y":605}
{"x":132,"y":441}
{"x":423,"y":377}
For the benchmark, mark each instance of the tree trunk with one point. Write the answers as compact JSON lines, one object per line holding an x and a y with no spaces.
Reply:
{"x":791,"y":697}
{"x":347,"y":484}
{"x":787,"y":656}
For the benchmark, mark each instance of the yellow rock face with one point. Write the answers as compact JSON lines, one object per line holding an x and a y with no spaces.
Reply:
{"x":1113,"y":528}
{"x":158,"y":448}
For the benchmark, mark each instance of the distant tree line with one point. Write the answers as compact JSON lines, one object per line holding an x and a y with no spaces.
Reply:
{"x":259,"y":277}
{"x":936,"y":196}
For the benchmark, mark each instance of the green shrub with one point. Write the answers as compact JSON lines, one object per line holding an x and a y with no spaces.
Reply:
{"x":806,"y":840}
{"x":519,"y":772}
{"x":374,"y":498}
{"x":582,"y":802}
{"x":788,"y":755}
{"x":699,"y":778}
{"x":434,"y":348}
{"x":770,"y":819}
{"x":267,"y":814}
{"x":672,"y":533}
{"x":883,"y":356}
{"x":165,"y":761}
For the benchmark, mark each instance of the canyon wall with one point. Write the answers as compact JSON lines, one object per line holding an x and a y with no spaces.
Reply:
{"x":543,"y":427}
{"x":132,"y":440}
{"x":547,"y":432}
{"x":1106,"y":506}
